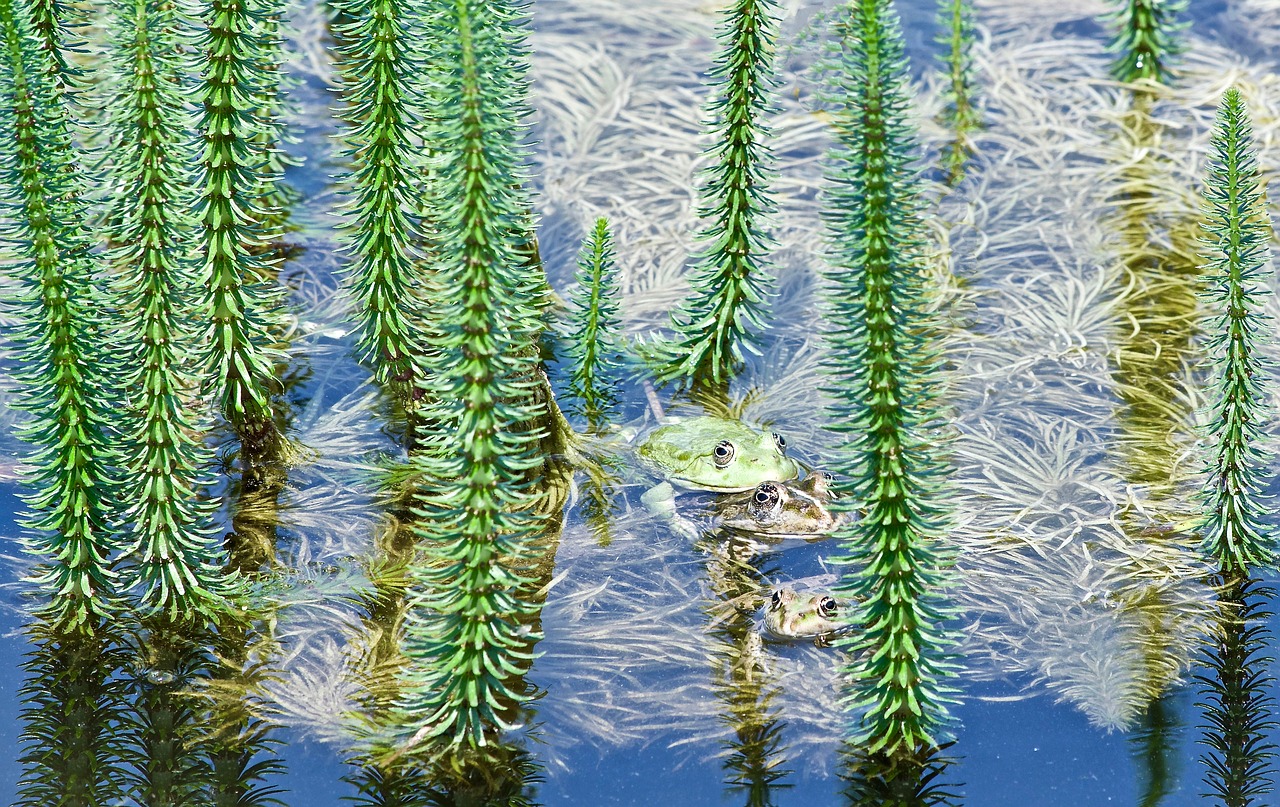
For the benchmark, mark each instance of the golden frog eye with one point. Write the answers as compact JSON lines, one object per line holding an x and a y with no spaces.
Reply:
{"x":723,"y":453}
{"x":827,"y":607}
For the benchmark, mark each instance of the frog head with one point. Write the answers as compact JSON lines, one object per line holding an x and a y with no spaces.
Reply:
{"x":781,"y":509}
{"x":717,"y":454}
{"x":792,"y":615}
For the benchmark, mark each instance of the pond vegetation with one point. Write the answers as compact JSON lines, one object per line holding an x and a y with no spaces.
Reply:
{"x":1008,"y":316}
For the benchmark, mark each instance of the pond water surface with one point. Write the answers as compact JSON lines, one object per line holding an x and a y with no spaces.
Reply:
{"x":1068,"y":260}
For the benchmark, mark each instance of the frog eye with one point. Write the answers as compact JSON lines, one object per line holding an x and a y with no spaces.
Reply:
{"x":827,"y":607}
{"x":767,"y":492}
{"x":775,"y":602}
{"x":780,"y":441}
{"x":766,"y":498}
{"x":722,"y":454}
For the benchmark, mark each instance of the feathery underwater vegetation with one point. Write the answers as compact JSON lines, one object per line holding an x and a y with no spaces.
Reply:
{"x":295,"y":467}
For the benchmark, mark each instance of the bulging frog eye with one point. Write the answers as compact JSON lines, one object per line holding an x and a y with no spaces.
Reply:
{"x":723,"y":453}
{"x":780,"y":441}
{"x":827,"y":607}
{"x":775,"y":601}
{"x":766,"y":499}
{"x":766,"y":493}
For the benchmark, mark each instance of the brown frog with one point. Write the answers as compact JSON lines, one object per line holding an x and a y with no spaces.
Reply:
{"x":782,"y":509}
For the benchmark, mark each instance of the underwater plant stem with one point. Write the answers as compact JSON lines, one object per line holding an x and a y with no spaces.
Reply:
{"x":960,"y":115}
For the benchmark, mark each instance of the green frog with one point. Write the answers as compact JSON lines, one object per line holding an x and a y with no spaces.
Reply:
{"x":779,"y":510}
{"x":709,"y":453}
{"x":802,"y":615}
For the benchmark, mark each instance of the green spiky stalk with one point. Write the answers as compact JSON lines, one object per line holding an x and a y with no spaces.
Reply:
{"x":593,"y":345}
{"x":377,"y":66}
{"x":464,"y":635}
{"x":1146,"y":39}
{"x":1238,"y":705}
{"x":229,"y":186}
{"x":178,"y":563}
{"x":882,"y":386}
{"x":955,"y":18}
{"x":61,"y":375}
{"x":728,"y":284}
{"x":274,"y":198}
{"x":1237,"y":275}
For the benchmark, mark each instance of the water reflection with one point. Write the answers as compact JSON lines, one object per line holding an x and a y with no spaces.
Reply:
{"x":75,"y":733}
{"x":157,"y":713}
{"x":744,"y":684}
{"x":908,"y":780}
{"x":1238,"y":704}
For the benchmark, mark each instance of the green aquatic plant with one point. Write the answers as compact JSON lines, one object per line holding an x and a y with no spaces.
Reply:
{"x":1146,"y":38}
{"x":594,"y":343}
{"x":273,"y":198}
{"x":475,"y":513}
{"x":175,"y":555}
{"x":382,"y":110}
{"x":229,"y":185}
{"x":882,"y":386}
{"x":1237,"y":235}
{"x":955,"y":18}
{"x":64,"y":372}
{"x":724,"y":312}
{"x":1238,"y":704}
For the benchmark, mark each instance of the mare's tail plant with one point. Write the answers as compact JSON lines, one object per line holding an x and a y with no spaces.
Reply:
{"x":62,"y":373}
{"x":882,"y":386}
{"x":176,"y":554}
{"x":594,"y":345}
{"x":1146,"y":39}
{"x":476,"y":522}
{"x":382,"y":109}
{"x":955,"y":18}
{"x":230,"y":185}
{"x":724,"y":313}
{"x":1237,"y":275}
